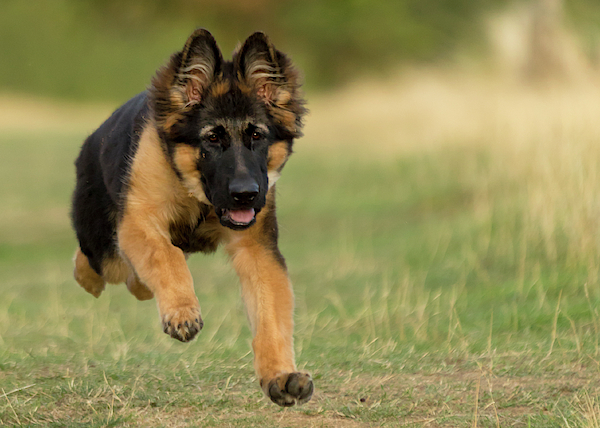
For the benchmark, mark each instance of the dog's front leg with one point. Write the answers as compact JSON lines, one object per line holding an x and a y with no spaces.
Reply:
{"x":269,"y":301}
{"x":163,"y":268}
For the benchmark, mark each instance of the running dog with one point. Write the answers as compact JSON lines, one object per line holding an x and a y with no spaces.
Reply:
{"x":187,"y":165}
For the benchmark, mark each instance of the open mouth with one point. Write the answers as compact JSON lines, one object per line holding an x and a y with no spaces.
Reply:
{"x":238,"y":219}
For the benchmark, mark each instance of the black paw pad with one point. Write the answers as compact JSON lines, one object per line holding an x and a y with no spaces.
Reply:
{"x":183,"y":330}
{"x":297,"y":389}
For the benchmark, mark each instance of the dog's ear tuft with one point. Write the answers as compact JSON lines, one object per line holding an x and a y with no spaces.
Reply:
{"x":271,"y":76}
{"x":200,"y":61}
{"x":257,"y":65}
{"x":181,"y":83}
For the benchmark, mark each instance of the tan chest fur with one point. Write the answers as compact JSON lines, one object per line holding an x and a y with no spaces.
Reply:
{"x":175,"y":207}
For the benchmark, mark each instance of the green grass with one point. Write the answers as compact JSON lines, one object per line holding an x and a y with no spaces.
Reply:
{"x":425,"y":296}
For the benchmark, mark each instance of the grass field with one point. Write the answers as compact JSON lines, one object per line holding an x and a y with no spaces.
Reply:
{"x":441,"y":233}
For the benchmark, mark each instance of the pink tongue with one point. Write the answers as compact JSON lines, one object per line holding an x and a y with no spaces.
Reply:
{"x":242,"y":216}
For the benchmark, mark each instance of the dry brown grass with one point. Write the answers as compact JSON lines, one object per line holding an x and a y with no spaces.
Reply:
{"x":28,"y":114}
{"x":543,"y":138}
{"x":430,"y":108}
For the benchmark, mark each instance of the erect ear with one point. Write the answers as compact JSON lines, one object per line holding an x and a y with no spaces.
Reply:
{"x":257,"y":65}
{"x":181,"y":83}
{"x":271,"y":76}
{"x":201,"y":60}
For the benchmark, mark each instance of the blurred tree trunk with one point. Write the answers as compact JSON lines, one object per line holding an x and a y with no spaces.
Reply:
{"x":545,"y":59}
{"x":553,"y":52}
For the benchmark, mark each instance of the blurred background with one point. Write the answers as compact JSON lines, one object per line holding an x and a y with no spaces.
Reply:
{"x":441,"y":211}
{"x":104,"y":50}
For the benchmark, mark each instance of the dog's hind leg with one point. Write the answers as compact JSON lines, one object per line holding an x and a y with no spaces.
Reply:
{"x":138,"y":288}
{"x":87,"y":277}
{"x":116,"y":270}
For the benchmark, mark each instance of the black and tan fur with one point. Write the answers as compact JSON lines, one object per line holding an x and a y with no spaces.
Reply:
{"x":184,"y":167}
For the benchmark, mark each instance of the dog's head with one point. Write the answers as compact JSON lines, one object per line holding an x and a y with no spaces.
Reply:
{"x":228,"y":126}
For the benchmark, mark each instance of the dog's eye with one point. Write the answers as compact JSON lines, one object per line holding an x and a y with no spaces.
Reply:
{"x":256,"y":136}
{"x":213,"y":138}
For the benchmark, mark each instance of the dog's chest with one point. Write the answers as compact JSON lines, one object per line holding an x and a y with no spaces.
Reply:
{"x":201,"y":233}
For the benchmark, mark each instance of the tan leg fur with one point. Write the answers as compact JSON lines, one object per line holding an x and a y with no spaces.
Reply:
{"x":269,"y":300}
{"x":155,"y":193}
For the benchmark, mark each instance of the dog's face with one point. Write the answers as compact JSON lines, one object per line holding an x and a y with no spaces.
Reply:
{"x":231,"y":135}
{"x":227,"y":126}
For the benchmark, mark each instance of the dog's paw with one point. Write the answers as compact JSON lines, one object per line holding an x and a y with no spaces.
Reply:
{"x":288,"y":389}
{"x":182,"y":323}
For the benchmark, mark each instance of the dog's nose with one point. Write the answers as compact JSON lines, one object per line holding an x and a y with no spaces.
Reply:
{"x":243,"y":190}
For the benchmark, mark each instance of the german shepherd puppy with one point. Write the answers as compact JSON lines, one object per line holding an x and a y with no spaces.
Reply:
{"x":187,"y":165}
